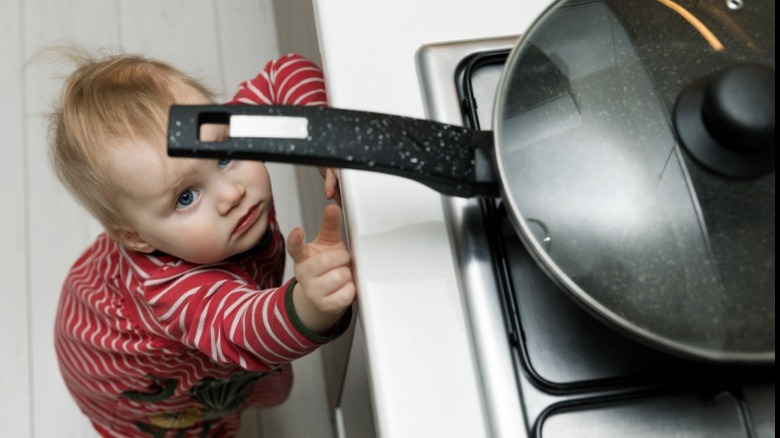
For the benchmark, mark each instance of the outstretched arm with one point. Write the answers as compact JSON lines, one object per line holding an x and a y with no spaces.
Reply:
{"x":325,"y":287}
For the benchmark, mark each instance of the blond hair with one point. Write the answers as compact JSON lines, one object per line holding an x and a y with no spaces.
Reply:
{"x":108,"y":100}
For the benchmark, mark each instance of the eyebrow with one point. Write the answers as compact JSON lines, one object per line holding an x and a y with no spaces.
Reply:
{"x":181,"y":183}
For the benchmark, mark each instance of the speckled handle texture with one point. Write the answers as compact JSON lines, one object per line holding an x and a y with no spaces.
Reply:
{"x":450,"y":159}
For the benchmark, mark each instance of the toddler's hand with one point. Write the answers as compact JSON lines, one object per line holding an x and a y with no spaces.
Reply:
{"x":325,"y":286}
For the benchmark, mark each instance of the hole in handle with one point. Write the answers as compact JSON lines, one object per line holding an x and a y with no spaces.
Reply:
{"x":213,"y":127}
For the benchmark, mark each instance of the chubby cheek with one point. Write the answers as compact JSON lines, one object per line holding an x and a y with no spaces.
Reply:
{"x":202,"y":248}
{"x":196,"y":242}
{"x":260,"y":177}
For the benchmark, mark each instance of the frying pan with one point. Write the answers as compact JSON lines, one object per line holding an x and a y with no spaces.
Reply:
{"x":638,"y":134}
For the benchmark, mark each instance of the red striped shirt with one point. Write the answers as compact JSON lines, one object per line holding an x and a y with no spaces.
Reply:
{"x":149,"y":342}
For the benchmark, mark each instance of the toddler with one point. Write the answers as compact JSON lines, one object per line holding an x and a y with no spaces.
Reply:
{"x":176,"y":318}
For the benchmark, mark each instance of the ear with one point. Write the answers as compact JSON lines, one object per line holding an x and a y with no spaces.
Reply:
{"x":133,"y":240}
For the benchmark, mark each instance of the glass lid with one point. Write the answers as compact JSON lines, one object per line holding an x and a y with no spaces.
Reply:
{"x":671,"y":244}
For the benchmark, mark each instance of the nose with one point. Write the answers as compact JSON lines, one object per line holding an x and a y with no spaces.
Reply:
{"x":230,"y":195}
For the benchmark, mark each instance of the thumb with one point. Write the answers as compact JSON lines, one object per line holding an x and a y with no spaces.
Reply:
{"x":330,"y":227}
{"x":295,"y":244}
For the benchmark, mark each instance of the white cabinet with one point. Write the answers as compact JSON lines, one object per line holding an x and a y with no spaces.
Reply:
{"x":354,"y":409}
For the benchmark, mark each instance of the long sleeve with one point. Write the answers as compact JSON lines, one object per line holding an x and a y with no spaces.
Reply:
{"x":217,"y":310}
{"x":232,"y":312}
{"x":289,"y":80}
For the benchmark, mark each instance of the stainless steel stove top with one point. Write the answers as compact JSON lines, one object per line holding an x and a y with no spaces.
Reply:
{"x":548,"y":367}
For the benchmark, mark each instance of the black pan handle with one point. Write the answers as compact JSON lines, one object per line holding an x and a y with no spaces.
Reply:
{"x":450,"y":159}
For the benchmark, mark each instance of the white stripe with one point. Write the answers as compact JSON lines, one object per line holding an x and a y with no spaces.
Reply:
{"x":183,"y":276}
{"x":215,"y":287}
{"x":245,"y":303}
{"x":219,"y":332}
{"x":246,"y":100}
{"x":201,"y":325}
{"x":259,"y":94}
{"x":312,"y":103}
{"x":300,"y":70}
{"x":298,"y":85}
{"x":287,"y":329}
{"x":248,"y":345}
{"x":135,"y":267}
{"x":178,"y":302}
{"x":183,"y":319}
{"x":270,"y":331}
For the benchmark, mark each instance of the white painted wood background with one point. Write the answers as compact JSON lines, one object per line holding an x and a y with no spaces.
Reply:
{"x":42,"y":230}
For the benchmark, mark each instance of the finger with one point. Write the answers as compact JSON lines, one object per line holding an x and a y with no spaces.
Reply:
{"x":331,"y":183}
{"x":338,"y":300}
{"x":318,"y":265}
{"x":295,"y":244}
{"x":329,"y":282}
{"x":330,"y":227}
{"x":337,"y":197}
{"x":335,"y":300}
{"x":333,"y":260}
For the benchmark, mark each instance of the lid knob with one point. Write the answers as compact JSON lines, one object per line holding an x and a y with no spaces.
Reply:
{"x":727,"y":120}
{"x":739,"y":107}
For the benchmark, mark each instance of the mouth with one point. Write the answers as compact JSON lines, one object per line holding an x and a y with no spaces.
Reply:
{"x":247,"y":221}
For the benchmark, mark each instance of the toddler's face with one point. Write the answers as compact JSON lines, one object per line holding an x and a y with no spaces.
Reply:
{"x":199,"y":210}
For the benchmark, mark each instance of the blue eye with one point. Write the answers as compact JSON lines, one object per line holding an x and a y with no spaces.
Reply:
{"x":223,"y":162}
{"x":186,"y":198}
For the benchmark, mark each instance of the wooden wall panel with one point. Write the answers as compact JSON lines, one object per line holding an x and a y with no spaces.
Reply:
{"x":58,"y":229}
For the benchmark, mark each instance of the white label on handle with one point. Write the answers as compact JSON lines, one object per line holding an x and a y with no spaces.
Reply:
{"x":268,"y":126}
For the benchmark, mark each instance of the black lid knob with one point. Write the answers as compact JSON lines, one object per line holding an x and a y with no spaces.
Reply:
{"x":727,"y":120}
{"x":739,"y":107}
